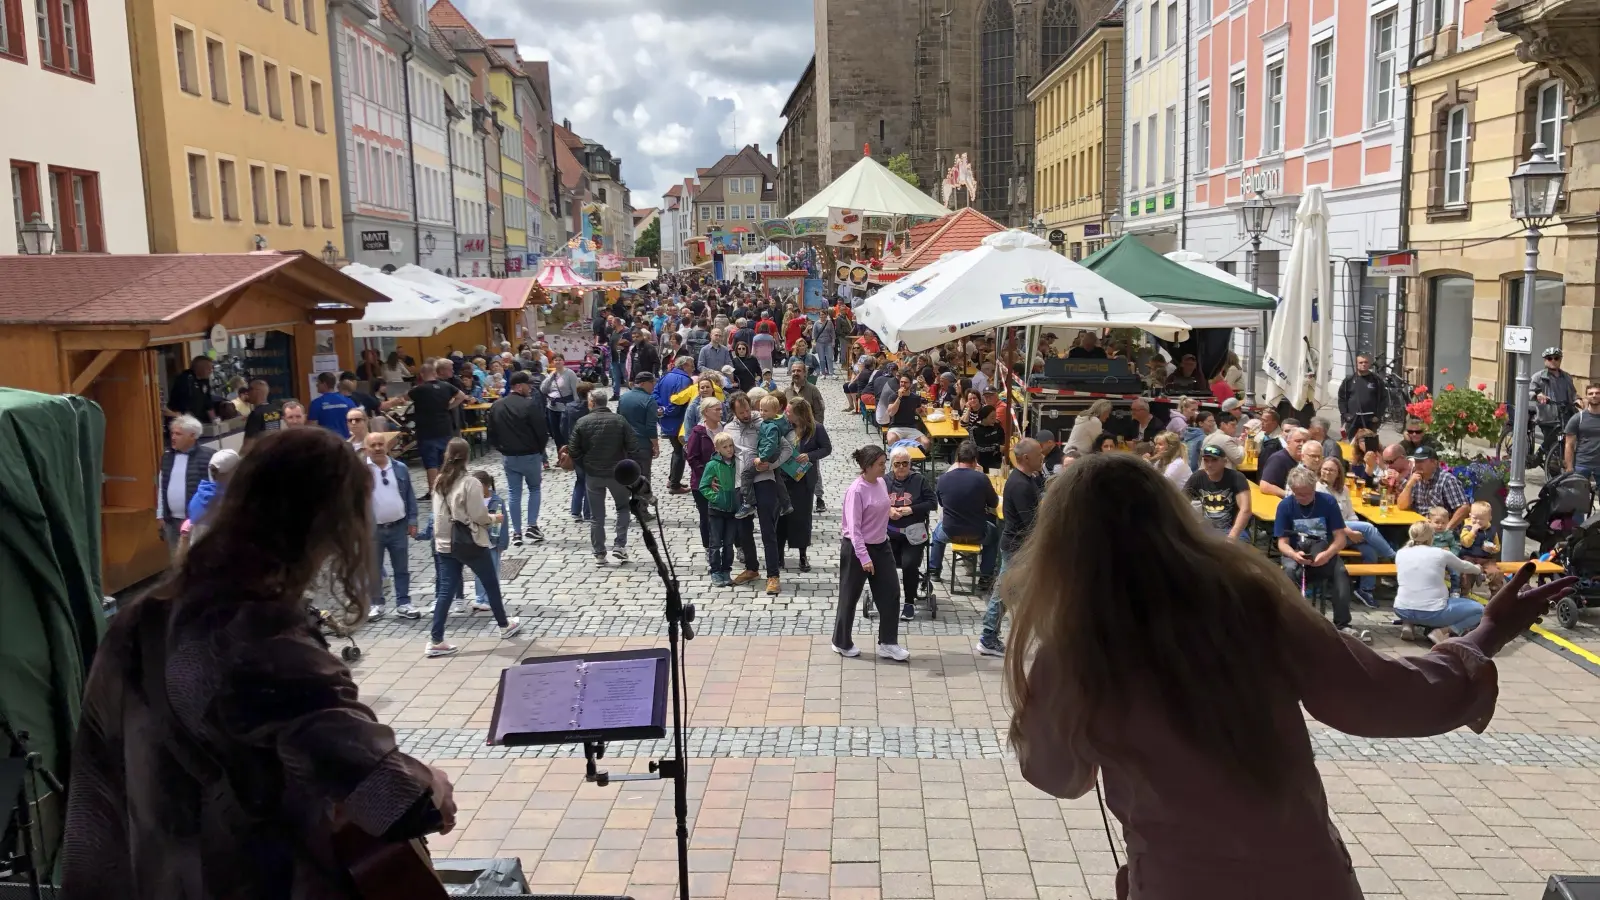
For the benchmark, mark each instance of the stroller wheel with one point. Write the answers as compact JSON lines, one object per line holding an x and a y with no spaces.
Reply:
{"x":1567,"y":612}
{"x":350,"y":653}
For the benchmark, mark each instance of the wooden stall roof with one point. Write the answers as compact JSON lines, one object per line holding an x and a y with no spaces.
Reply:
{"x":514,"y":293}
{"x":71,"y":291}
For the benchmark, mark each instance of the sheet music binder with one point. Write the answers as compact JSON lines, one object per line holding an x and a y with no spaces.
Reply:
{"x":582,"y":698}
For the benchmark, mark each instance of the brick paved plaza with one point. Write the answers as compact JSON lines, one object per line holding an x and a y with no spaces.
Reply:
{"x":813,"y":776}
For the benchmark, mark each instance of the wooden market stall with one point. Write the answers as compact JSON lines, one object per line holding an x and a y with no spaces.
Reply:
{"x":111,"y":328}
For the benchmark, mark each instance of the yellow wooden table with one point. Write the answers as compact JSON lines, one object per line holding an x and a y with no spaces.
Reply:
{"x":1348,"y":451}
{"x":1263,"y":505}
{"x":1375,"y":514}
{"x":1249,"y":465}
{"x":946,"y":429}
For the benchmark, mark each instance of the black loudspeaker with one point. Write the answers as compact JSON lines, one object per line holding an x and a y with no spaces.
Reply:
{"x":1572,"y":887}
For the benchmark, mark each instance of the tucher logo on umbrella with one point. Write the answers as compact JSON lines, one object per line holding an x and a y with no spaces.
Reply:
{"x":1036,"y":294}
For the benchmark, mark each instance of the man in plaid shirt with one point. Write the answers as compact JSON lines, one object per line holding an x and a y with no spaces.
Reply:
{"x":1428,"y":487}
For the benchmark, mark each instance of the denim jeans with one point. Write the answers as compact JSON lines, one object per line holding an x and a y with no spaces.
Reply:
{"x":483,"y":593}
{"x":481,"y":561}
{"x":1332,"y":575}
{"x":580,"y":495}
{"x":724,"y":534}
{"x":1460,"y":615}
{"x":393,"y":541}
{"x":990,"y":544}
{"x":997,"y":607}
{"x":597,"y":489}
{"x":432,"y":452}
{"x":518,"y":469}
{"x":616,"y":376}
{"x":1373,"y":548}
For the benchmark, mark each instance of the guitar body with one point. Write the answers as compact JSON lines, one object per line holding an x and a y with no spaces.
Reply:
{"x":386,"y":870}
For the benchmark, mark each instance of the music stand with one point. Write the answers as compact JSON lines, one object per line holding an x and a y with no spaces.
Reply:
{"x":591,"y":699}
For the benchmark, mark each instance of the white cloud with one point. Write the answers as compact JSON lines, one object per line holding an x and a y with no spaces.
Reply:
{"x":667,"y":85}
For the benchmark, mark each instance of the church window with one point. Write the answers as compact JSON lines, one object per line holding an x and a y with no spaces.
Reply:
{"x":1059,"y":32}
{"x":997,"y":70}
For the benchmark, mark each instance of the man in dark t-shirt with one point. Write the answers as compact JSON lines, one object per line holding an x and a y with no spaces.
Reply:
{"x":967,"y":502}
{"x":1024,"y":488}
{"x":1275,"y":471}
{"x":1223,"y":494}
{"x":432,"y":399}
{"x":264,"y":415}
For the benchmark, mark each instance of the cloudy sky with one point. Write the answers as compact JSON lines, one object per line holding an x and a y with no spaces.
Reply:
{"x":668,"y":85}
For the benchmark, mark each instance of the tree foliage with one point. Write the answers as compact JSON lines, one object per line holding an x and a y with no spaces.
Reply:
{"x":901,"y":165}
{"x":649,"y":243}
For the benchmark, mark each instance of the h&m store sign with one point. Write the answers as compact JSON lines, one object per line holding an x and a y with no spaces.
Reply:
{"x":476,"y":244}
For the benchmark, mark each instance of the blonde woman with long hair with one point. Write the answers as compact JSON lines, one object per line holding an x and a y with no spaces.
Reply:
{"x":1169,"y":459}
{"x":1183,"y":681}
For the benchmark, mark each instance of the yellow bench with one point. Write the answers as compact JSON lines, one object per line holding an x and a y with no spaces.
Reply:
{"x":1381,"y":569}
{"x":973,"y":551}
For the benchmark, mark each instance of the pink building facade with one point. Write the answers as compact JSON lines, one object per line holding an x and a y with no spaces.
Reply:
{"x":1289,"y":94}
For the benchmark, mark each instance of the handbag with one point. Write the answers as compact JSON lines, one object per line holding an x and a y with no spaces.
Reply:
{"x":915,"y":534}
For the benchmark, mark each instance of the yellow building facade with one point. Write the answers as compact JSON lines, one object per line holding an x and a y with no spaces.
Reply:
{"x":236,"y":122}
{"x":1477,"y":114}
{"x":1078,"y":128}
{"x":511,"y":157}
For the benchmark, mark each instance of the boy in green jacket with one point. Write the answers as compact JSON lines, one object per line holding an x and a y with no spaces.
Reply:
{"x":721,"y":489}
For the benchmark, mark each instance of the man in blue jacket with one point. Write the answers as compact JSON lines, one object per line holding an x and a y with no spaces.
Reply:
{"x":676,"y":379}
{"x":638,"y":407}
{"x":394,"y":519}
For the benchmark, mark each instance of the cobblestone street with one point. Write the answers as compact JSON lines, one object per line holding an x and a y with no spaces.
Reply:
{"x":858,"y":779}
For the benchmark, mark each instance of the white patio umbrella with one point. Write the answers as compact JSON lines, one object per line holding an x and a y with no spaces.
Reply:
{"x":1298,"y":360}
{"x":412,"y":311}
{"x":869,"y":186}
{"x":476,"y":300}
{"x":1012,"y":279}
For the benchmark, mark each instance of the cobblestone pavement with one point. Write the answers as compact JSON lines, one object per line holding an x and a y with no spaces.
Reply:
{"x":813,"y":776}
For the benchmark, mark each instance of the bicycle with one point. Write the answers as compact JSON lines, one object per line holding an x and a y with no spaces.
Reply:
{"x":1397,"y":392}
{"x":1551,"y":454}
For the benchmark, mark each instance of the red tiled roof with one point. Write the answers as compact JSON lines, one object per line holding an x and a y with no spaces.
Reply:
{"x":962,"y":231}
{"x":644,"y":213}
{"x":675,"y":191}
{"x":567,"y":137}
{"x":92,"y":289}
{"x":390,"y":15}
{"x":572,"y":171}
{"x":445,"y":15}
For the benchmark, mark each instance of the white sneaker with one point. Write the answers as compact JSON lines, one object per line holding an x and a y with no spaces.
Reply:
{"x":458,"y":608}
{"x":376,"y":613}
{"x":1360,"y":634}
{"x":851,"y":653}
{"x":894,"y":652}
{"x":407,"y":612}
{"x":1408,"y":632}
{"x":1439,"y":635}
{"x":512,"y":627}
{"x":436,"y":651}
{"x":482,"y":607}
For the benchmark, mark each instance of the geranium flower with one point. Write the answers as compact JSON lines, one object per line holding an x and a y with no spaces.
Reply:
{"x":1450,"y":387}
{"x":1472,"y":427}
{"x":1482,"y":386}
{"x":1462,"y":414}
{"x":1444,"y":371}
{"x":1500,"y":411}
{"x":1419,"y":390}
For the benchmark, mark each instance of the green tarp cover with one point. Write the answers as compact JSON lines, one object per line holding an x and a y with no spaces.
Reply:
{"x":50,"y":616}
{"x":1129,"y":264}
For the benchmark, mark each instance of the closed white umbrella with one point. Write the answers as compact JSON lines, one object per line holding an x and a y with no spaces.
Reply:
{"x":1013,"y":278}
{"x":1298,"y":361}
{"x":476,"y":300}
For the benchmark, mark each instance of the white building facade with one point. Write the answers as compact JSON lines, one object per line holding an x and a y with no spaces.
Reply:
{"x":428,"y":71}
{"x":72,"y":144}
{"x":467,"y":155}
{"x":1156,"y":75}
{"x":375,"y":155}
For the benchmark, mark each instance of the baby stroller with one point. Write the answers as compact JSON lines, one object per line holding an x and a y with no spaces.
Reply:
{"x":1580,"y":556}
{"x":332,"y":631}
{"x":1553,"y":517}
{"x":594,"y":368}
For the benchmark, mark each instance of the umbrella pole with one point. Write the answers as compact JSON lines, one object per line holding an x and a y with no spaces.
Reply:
{"x":1255,"y":360}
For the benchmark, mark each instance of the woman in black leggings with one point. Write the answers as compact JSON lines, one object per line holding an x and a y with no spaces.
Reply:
{"x":864,"y":553}
{"x":911,"y":500}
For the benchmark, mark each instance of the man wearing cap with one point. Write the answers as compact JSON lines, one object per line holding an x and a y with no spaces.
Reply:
{"x":394,"y":524}
{"x":1556,"y":399}
{"x":1223,"y":494}
{"x":1054,"y":458}
{"x":206,"y":496}
{"x":638,"y":407}
{"x":519,"y":427}
{"x":1428,"y":487}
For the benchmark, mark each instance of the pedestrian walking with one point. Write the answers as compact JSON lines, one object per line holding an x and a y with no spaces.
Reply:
{"x":434,"y":401}
{"x":183,"y":466}
{"x":811,"y":447}
{"x":599,"y":441}
{"x":394,"y":524}
{"x":911,"y":502}
{"x":577,"y":409}
{"x":499,"y":534}
{"x":461,"y":522}
{"x":865,"y":554}
{"x":518,"y":427}
{"x":638,"y":406}
{"x":824,"y":337}
{"x":559,"y":389}
{"x":672,"y":395}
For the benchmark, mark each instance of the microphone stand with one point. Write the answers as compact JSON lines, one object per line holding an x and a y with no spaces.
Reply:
{"x":680,"y":619}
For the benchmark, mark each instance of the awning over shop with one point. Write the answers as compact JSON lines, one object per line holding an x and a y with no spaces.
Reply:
{"x":514,"y":293}
{"x":1200,"y":300}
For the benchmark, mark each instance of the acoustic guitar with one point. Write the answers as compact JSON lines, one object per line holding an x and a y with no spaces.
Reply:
{"x":387,"y":870}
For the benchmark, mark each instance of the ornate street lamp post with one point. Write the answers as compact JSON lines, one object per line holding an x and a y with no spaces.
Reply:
{"x":1255,"y":216}
{"x":1535,"y":191}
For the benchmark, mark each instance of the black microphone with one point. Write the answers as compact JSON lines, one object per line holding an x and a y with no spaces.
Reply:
{"x":629,"y":475}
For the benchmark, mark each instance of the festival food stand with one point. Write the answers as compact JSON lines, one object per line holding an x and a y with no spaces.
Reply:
{"x":112,"y":327}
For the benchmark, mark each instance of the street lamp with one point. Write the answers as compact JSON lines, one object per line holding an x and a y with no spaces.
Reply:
{"x":1255,"y":216}
{"x":1535,"y":191}
{"x":38,"y":238}
{"x":429,"y":242}
{"x":1114,"y":225}
{"x":330,"y":253}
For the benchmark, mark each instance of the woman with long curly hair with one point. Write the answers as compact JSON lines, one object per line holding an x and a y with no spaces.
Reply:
{"x":461,"y":523}
{"x":1183,"y":682}
{"x":221,"y":744}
